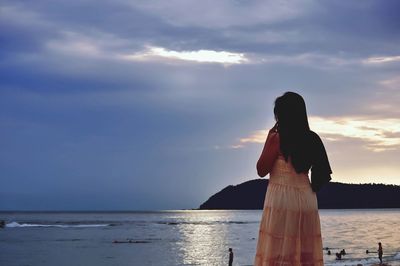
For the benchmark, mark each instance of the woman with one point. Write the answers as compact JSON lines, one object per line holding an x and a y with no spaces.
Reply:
{"x":290,"y":231}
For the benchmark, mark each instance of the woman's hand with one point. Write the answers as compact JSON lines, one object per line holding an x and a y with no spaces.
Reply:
{"x":273,"y":131}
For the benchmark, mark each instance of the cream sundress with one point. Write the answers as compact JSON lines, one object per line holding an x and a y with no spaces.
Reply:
{"x":290,"y":231}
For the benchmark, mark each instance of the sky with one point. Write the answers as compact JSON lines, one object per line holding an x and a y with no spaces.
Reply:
{"x":150,"y":105}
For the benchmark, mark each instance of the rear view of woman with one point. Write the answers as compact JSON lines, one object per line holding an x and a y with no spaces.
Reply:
{"x":290,"y":231}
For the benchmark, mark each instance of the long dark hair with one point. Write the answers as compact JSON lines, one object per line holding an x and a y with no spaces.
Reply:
{"x":294,"y":131}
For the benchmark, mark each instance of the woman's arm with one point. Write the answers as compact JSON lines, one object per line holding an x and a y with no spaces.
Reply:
{"x":269,"y":154}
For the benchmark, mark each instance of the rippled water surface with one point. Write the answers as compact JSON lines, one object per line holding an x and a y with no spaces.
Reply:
{"x":180,"y":237}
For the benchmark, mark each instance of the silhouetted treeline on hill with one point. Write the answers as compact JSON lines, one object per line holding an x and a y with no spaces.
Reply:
{"x":250,"y":196}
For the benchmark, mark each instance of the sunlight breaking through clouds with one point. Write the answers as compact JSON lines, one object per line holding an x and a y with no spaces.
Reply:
{"x":107,"y":46}
{"x":382,"y":59}
{"x":379,"y":135}
{"x":201,"y":56}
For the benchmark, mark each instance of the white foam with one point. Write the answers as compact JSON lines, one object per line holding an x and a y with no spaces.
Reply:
{"x":397,"y":256}
{"x":366,"y":261}
{"x":15,"y":224}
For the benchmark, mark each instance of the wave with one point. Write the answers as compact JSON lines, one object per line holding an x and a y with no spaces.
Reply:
{"x":82,"y":224}
{"x":397,"y":256}
{"x":365,"y":261}
{"x":16,"y":225}
{"x":349,"y":262}
{"x":202,"y":222}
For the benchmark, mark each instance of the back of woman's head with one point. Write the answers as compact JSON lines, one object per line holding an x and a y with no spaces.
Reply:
{"x":291,"y":115}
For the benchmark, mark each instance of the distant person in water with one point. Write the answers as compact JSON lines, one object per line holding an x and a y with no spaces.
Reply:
{"x":380,"y":252}
{"x":230,"y":257}
{"x":338,"y":256}
{"x":290,"y":230}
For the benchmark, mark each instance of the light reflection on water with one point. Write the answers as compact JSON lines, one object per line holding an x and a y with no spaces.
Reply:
{"x":202,"y":244}
{"x":205,"y":237}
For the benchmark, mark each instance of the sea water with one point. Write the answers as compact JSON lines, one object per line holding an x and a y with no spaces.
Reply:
{"x":191,"y":237}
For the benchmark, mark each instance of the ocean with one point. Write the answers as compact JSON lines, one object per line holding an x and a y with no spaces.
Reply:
{"x":182,"y":237}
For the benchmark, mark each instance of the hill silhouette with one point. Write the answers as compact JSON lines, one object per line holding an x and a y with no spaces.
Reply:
{"x":250,"y":196}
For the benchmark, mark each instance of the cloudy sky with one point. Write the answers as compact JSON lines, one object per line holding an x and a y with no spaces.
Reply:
{"x":138,"y":105}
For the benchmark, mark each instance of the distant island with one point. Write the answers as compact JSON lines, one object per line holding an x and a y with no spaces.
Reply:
{"x":250,"y":196}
